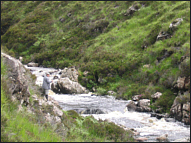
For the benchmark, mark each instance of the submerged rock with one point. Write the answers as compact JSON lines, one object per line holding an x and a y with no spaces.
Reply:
{"x":162,"y":138}
{"x":92,"y":111}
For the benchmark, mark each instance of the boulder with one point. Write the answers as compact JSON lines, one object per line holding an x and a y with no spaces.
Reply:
{"x":131,"y":106}
{"x":32,"y":64}
{"x":66,"y":86}
{"x":186,"y":113}
{"x":180,"y":82}
{"x":143,"y":109}
{"x":162,"y":138}
{"x":144,"y":102}
{"x":143,"y":106}
{"x":71,"y":73}
{"x":156,"y":95}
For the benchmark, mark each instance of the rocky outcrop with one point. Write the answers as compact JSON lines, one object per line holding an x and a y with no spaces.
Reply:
{"x":183,"y":83}
{"x":180,"y":110}
{"x":18,"y":85}
{"x":66,"y":86}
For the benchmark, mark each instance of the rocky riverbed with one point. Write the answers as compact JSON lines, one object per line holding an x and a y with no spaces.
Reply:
{"x":144,"y":126}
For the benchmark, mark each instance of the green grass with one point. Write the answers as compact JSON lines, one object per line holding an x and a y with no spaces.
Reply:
{"x":98,"y":37}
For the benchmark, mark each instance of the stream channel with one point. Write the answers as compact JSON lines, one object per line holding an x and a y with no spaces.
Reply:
{"x":147,"y":126}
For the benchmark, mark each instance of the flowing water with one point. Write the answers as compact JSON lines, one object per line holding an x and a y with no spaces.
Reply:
{"x":115,"y":111}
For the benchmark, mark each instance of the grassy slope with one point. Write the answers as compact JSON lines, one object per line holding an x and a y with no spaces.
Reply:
{"x":99,"y":38}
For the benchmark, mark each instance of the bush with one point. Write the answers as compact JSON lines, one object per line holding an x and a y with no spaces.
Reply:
{"x":101,"y":91}
{"x":165,"y":101}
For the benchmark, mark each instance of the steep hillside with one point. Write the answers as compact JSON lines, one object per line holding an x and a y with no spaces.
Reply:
{"x":126,"y":46}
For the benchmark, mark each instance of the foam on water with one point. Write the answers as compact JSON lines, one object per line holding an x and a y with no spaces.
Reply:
{"x":147,"y":126}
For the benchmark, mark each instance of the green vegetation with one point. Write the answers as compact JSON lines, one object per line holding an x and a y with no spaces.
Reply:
{"x":105,"y":39}
{"x":22,"y":126}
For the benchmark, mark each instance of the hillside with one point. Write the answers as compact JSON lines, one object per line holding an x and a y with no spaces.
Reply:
{"x":125,"y":46}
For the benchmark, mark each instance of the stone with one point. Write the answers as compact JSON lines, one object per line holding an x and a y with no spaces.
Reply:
{"x":143,"y":109}
{"x":162,"y":138}
{"x":146,"y":66}
{"x":163,"y":35}
{"x":71,"y":73}
{"x":136,"y":97}
{"x":62,"y":20}
{"x":85,"y":73}
{"x":180,"y":82}
{"x":144,"y":102}
{"x":20,"y":59}
{"x":175,"y":23}
{"x":156,"y":95}
{"x":170,"y":120}
{"x":187,"y":83}
{"x":131,"y":106}
{"x":57,"y":111}
{"x":141,"y":139}
{"x":32,"y":64}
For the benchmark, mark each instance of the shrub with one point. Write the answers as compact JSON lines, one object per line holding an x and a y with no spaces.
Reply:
{"x":101,"y":91}
{"x":165,"y":101}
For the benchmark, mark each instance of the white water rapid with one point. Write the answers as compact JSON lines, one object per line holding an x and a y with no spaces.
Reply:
{"x":149,"y":127}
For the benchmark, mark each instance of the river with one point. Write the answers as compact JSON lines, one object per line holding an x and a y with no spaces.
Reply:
{"x":115,"y":111}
